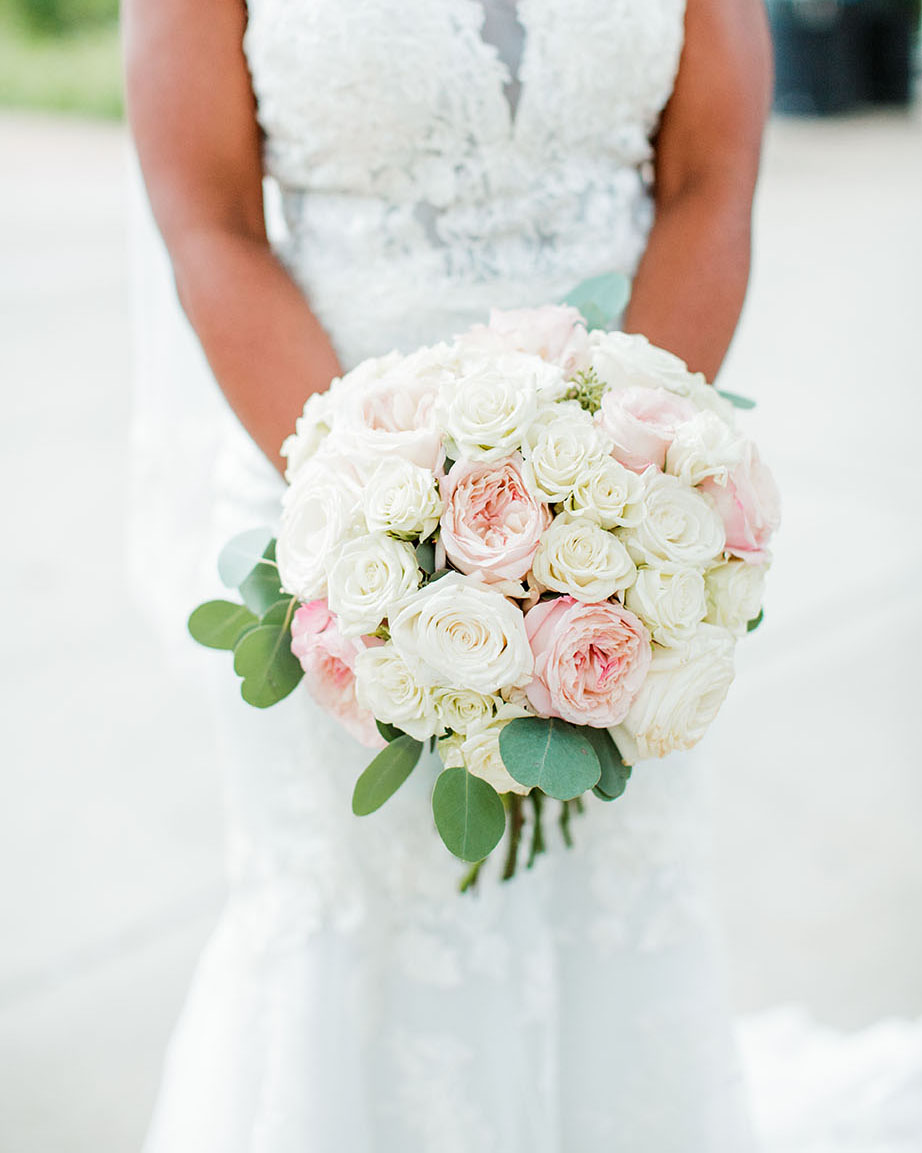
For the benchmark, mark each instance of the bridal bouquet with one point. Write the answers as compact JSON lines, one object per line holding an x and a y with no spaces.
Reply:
{"x":534,"y":548}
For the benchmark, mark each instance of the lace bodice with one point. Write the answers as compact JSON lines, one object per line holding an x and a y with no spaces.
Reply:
{"x":440,"y":157}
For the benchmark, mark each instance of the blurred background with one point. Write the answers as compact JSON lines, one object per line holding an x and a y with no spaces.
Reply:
{"x":110,"y":825}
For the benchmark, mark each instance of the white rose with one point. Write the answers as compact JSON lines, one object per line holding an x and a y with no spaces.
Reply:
{"x":670,"y":601}
{"x":479,"y":751}
{"x":682,"y":694}
{"x":579,"y":557}
{"x":457,"y":631}
{"x":561,"y":453}
{"x":628,"y":360}
{"x":311,"y":428}
{"x":321,"y":510}
{"x":550,"y":412}
{"x":680,"y":525}
{"x":402,"y":498}
{"x":487,"y":409}
{"x":459,"y":709}
{"x":365,"y":577}
{"x":734,"y":593}
{"x":704,"y":446}
{"x":607,"y":492}
{"x":387,"y":688}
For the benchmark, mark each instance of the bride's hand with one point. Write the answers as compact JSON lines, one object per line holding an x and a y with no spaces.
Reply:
{"x":192,"y":112}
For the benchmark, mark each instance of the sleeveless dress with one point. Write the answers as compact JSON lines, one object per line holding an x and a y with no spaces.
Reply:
{"x":434,"y":159}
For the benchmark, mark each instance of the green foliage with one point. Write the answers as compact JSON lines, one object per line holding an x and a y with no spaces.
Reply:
{"x":221,"y":624}
{"x":587,"y":390}
{"x":385,"y":774}
{"x":615,"y":773}
{"x":263,"y":658}
{"x":261,"y":588}
{"x":242,"y":554}
{"x":389,"y":732}
{"x":755,"y":622}
{"x":469,"y":814}
{"x":600,"y":299}
{"x":425,"y":556}
{"x":736,"y":400}
{"x":551,"y":755}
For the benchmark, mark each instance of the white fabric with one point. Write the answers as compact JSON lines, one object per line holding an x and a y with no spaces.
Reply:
{"x":435,"y":158}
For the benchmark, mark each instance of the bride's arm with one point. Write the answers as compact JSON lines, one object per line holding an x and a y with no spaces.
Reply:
{"x":692,"y":279}
{"x":192,"y":112}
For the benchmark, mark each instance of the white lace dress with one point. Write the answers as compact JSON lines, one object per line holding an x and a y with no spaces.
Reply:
{"x":436,"y":158}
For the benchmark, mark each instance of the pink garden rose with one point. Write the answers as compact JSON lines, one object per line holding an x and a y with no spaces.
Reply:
{"x":643,"y":422}
{"x":750,"y":506}
{"x":328,"y":660}
{"x":492,"y":521}
{"x":590,"y":660}
{"x":555,"y":332}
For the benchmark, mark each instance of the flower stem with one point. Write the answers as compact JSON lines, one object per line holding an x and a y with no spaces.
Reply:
{"x":537,"y":833}
{"x":564,"y":821}
{"x":517,"y":819}
{"x":469,"y":880}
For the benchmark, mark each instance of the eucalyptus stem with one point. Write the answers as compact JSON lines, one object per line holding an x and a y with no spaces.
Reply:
{"x":469,"y":880}
{"x":516,"y":821}
{"x":537,"y":833}
{"x":564,"y":821}
{"x":580,"y":807}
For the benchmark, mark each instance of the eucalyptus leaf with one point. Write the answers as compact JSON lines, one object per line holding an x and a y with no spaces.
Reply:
{"x":220,"y":624}
{"x":280,"y":613}
{"x":385,"y":774}
{"x":425,"y":556}
{"x":469,"y":814}
{"x":603,"y":796}
{"x":261,"y":589}
{"x":615,"y":773}
{"x":755,"y":622}
{"x":241,"y":554}
{"x":600,"y":299}
{"x":389,"y":732}
{"x":736,"y":400}
{"x":263,"y":658}
{"x":551,"y":755}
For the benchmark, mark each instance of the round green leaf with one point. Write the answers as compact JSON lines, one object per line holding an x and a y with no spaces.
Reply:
{"x":389,"y":732}
{"x":551,"y":755}
{"x":264,"y":659}
{"x":736,"y":400}
{"x":261,"y":588}
{"x":241,"y":554}
{"x":469,"y":814}
{"x":385,"y":774}
{"x":600,"y":299}
{"x":615,"y":773}
{"x":220,"y":624}
{"x":425,"y":556}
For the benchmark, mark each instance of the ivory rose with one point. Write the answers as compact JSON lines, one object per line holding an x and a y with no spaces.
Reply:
{"x":750,"y":506}
{"x":366,"y":576}
{"x":386,"y":686}
{"x":734,"y":594}
{"x":560,"y":453}
{"x":670,"y":601}
{"x":642,"y":424}
{"x":479,"y":751}
{"x":321,"y":510}
{"x":459,"y":632}
{"x":328,"y":659}
{"x":492,"y":520}
{"x":579,"y":557}
{"x":682,"y":694}
{"x":555,"y":332}
{"x":401,"y":498}
{"x":680,"y":526}
{"x":627,"y":360}
{"x":590,"y":660}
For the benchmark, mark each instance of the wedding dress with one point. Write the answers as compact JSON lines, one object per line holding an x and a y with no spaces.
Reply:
{"x":434,"y":159}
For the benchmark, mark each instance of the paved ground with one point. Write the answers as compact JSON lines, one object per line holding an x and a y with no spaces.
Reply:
{"x":110,"y":827}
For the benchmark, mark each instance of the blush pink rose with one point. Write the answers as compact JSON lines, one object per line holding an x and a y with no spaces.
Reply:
{"x":750,"y":506}
{"x":590,"y":660}
{"x":328,"y":660}
{"x":555,"y":332}
{"x":393,"y":414}
{"x":492,"y":521}
{"x":643,"y":423}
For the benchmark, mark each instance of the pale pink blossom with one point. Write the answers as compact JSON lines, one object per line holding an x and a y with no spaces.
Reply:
{"x":492,"y":521}
{"x":590,"y":660}
{"x":555,"y":332}
{"x":328,"y":659}
{"x":642,"y":423}
{"x":750,"y":506}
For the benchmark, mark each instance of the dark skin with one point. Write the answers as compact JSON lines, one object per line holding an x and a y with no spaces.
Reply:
{"x":193,"y":115}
